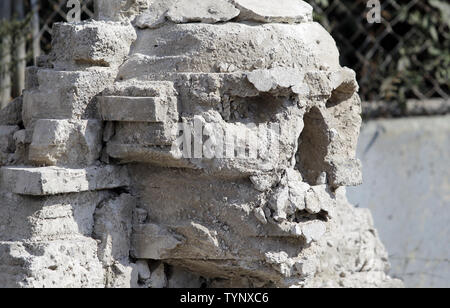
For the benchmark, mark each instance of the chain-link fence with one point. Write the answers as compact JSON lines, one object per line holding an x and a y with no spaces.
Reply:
{"x":51,"y":11}
{"x":406,"y":56}
{"x":25,"y":34}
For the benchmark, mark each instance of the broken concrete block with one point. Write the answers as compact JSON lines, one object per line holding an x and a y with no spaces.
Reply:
{"x":119,"y":10}
{"x":141,"y":153}
{"x":155,"y":15}
{"x":276,"y":78}
{"x":56,"y":217}
{"x":121,"y":275}
{"x":12,"y":113}
{"x":47,"y":181}
{"x":280,"y":203}
{"x":7,"y":143}
{"x":346,"y":172}
{"x":160,"y":50}
{"x":284,"y":11}
{"x":313,"y":231}
{"x":23,"y":136}
{"x":138,"y":109}
{"x":73,"y":143}
{"x":140,"y":88}
{"x":69,"y":263}
{"x":85,"y":44}
{"x":206,"y":11}
{"x":145,"y":134}
{"x":74,"y":98}
{"x":317,"y":198}
{"x":263,"y":182}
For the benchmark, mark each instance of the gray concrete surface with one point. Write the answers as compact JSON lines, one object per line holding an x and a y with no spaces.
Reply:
{"x":406,"y":166}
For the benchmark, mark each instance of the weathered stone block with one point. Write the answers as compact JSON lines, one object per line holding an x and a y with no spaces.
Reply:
{"x":138,"y":109}
{"x":12,"y":113}
{"x":66,"y":142}
{"x":139,"y":88}
{"x":146,"y":134}
{"x":73,"y":98}
{"x":285,"y":11}
{"x":167,"y":49}
{"x":47,"y":181}
{"x":90,"y":44}
{"x":207,"y":11}
{"x":7,"y":144}
{"x":51,"y":264}
{"x":119,"y":10}
{"x":57,"y":217}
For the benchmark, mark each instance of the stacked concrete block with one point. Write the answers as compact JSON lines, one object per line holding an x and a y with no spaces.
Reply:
{"x":103,"y":44}
{"x":54,"y":189}
{"x":144,"y":116}
{"x":133,"y":162}
{"x":65,"y":94}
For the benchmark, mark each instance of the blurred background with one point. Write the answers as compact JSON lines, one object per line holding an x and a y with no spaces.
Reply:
{"x":403,"y":66}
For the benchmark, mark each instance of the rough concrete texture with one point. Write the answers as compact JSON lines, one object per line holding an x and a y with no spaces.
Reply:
{"x":73,"y":45}
{"x":66,"y":142}
{"x":207,"y":11}
{"x":105,"y":186}
{"x":410,"y":203}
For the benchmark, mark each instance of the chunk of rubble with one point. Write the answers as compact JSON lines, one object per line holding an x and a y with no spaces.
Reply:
{"x":278,"y":78}
{"x":137,"y":109}
{"x":119,"y":10}
{"x":155,"y":15}
{"x":72,"y":99}
{"x":12,"y":113}
{"x":314,"y":231}
{"x":206,"y":11}
{"x":7,"y":144}
{"x":269,"y":11}
{"x":74,"y":143}
{"x":48,"y":181}
{"x":91,"y":44}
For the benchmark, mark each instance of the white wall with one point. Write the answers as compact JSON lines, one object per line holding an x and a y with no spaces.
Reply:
{"x":407,"y":187}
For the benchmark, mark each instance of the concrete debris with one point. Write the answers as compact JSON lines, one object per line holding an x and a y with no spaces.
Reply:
{"x":207,"y":11}
{"x":73,"y":48}
{"x":176,"y":143}
{"x":12,"y":114}
{"x":284,"y":11}
{"x":71,"y":143}
{"x":47,"y":181}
